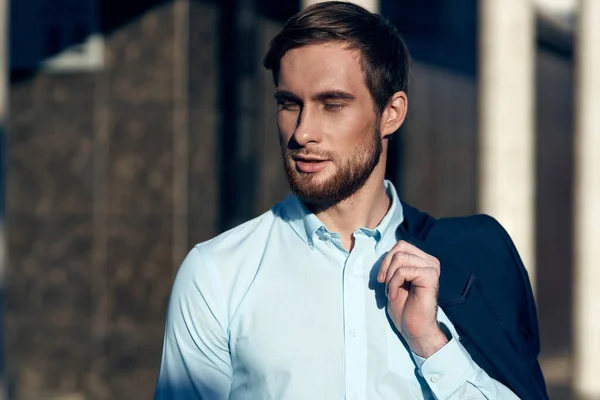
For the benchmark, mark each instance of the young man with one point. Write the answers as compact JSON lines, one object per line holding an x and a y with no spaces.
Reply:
{"x":342,"y":290}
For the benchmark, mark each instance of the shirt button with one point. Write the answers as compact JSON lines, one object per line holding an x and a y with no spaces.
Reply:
{"x":355,"y":397}
{"x":353,"y":332}
{"x":434,"y":378}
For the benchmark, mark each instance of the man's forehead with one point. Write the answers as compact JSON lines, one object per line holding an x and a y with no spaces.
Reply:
{"x":329,"y":66}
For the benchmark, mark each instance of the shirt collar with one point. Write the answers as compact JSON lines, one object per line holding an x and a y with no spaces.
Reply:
{"x":307,"y":225}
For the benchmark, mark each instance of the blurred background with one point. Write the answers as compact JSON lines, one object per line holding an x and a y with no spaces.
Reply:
{"x":132,"y":130}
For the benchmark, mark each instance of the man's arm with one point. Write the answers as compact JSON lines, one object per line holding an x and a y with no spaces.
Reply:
{"x":451,"y":374}
{"x":412,"y":281}
{"x":195,"y":363}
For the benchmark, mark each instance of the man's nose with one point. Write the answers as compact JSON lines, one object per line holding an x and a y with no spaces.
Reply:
{"x":307,"y":127}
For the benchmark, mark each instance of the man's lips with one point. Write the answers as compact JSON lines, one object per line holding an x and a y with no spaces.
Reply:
{"x":309,"y":164}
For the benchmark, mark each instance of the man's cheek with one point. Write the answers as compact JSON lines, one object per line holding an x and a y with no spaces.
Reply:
{"x":286,"y":123}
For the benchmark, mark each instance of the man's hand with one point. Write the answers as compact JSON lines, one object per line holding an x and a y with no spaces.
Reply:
{"x":411,"y":277}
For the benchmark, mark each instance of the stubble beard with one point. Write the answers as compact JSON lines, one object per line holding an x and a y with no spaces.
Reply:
{"x":350,"y":175}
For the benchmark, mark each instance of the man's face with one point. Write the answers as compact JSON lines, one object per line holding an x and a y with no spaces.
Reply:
{"x":329,"y":134}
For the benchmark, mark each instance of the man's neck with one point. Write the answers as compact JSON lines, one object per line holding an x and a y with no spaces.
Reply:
{"x":365,"y":209}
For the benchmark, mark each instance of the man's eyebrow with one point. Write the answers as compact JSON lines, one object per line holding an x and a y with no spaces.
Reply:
{"x":333,"y":95}
{"x":282,"y":95}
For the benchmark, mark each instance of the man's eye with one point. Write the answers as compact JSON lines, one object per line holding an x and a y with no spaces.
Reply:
{"x":288,"y":106}
{"x":333,"y":106}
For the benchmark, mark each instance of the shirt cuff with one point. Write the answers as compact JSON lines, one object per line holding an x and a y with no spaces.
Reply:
{"x":448,"y":369}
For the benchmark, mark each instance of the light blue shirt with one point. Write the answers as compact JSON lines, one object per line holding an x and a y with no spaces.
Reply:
{"x":277,"y":309}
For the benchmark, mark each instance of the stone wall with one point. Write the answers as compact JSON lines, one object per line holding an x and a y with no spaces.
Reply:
{"x":112,"y":178}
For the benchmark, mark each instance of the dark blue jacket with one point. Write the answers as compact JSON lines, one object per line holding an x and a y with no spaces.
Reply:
{"x":486,"y":293}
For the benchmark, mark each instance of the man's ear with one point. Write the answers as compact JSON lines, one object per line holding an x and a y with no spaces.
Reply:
{"x":394,"y":114}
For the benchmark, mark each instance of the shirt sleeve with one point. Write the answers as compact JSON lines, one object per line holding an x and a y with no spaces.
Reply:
{"x":452,"y":374}
{"x":196,"y":362}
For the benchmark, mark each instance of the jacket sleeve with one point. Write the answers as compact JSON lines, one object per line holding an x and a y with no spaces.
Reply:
{"x":527,"y":309}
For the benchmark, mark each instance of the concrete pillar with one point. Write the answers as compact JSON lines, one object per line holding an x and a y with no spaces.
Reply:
{"x":506,"y":115}
{"x":371,"y":5}
{"x":587,"y":202}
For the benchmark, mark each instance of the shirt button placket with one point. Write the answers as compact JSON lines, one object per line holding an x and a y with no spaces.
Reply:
{"x":354,"y":319}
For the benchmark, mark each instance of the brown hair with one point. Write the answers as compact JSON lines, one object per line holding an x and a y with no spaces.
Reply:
{"x":385,"y":57}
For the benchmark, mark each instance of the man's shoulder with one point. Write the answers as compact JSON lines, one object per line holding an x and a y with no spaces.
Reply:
{"x":226,"y":256}
{"x":474,"y":241}
{"x":241,"y":239}
{"x":472,"y":227}
{"x":480,"y":233}
{"x":428,"y":228}
{"x":478,"y":227}
{"x":227,"y":263}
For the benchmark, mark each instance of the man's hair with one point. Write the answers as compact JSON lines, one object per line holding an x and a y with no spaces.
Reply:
{"x":384,"y":56}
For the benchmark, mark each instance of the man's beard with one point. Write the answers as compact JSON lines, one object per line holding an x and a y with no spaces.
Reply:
{"x":350,"y":175}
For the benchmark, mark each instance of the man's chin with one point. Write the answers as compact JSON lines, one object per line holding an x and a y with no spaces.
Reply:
{"x":309,"y":191}
{"x":313,"y":194}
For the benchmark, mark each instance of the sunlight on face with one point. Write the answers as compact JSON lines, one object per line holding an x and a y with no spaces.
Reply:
{"x":330,"y":141}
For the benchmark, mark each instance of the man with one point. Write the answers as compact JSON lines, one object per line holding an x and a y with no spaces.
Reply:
{"x":342,"y":290}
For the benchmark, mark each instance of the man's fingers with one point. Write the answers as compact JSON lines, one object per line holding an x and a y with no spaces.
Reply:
{"x":416,"y":276}
{"x":404,"y":248}
{"x":391,"y":261}
{"x":399,"y":260}
{"x":393,"y":287}
{"x":395,"y":255}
